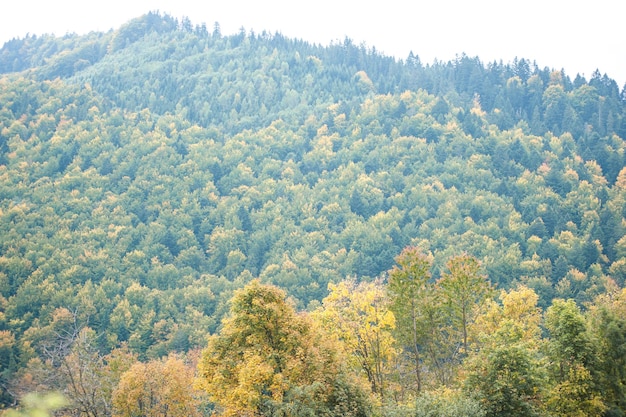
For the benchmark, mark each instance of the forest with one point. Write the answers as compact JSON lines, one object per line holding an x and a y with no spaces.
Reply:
{"x":197,"y":224}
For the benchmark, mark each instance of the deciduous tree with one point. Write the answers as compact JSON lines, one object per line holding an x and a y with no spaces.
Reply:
{"x":607,"y":326}
{"x":159,"y":388}
{"x":411,"y":295}
{"x":358,"y":316}
{"x":269,"y":359}
{"x":504,"y":372}
{"x":464,"y":288}
{"x":572,"y":359}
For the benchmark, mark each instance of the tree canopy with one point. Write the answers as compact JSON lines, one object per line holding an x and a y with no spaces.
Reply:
{"x":149,"y":173}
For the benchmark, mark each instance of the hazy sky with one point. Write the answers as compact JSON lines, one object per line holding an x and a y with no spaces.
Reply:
{"x":577,"y":36}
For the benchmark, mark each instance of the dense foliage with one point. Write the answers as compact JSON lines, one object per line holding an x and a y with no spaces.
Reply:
{"x":149,"y":172}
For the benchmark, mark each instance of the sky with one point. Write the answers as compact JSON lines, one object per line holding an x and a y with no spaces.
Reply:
{"x":578,"y":37}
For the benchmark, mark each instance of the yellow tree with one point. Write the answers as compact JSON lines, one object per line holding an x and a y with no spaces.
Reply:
{"x":515,"y":317}
{"x":268,"y":359}
{"x":159,"y":388}
{"x":359,"y":317}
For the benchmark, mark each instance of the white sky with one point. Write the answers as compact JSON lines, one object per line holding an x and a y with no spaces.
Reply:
{"x":578,"y":36}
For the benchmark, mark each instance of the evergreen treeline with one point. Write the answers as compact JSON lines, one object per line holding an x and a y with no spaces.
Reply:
{"x":149,"y":172}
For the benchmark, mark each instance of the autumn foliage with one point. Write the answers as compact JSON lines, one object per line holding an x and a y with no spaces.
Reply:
{"x":159,"y":388}
{"x":267,"y":357}
{"x":340,"y":233}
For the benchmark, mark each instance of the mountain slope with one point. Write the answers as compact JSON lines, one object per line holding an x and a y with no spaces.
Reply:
{"x":149,"y":171}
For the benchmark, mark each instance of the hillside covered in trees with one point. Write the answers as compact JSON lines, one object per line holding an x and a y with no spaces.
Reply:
{"x":150,"y":173}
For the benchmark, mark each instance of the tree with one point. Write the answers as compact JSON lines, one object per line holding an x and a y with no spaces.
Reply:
{"x":447,"y":403}
{"x":8,"y":364}
{"x":575,"y":396}
{"x":571,"y":361}
{"x":73,"y":366}
{"x":504,"y":372}
{"x":569,"y":341}
{"x":410,"y":294}
{"x":268,"y":358}
{"x":607,"y":325}
{"x":76,"y":368}
{"x":506,"y":383}
{"x":358,"y":316}
{"x":464,"y":289}
{"x":83,"y":370}
{"x":159,"y":388}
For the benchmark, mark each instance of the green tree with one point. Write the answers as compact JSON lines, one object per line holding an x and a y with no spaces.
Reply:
{"x":464,"y":288}
{"x":506,"y":383}
{"x":572,"y":359}
{"x":607,"y":325}
{"x":410,"y":294}
{"x":447,"y":403}
{"x":504,"y":372}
